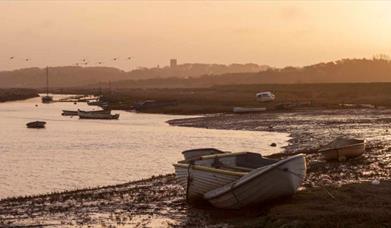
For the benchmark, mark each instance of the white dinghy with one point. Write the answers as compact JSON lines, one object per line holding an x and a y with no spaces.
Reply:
{"x":279,"y":179}
{"x":197,"y":179}
{"x":214,"y":171}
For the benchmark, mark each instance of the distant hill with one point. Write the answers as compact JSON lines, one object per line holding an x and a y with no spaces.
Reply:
{"x":76,"y":76}
{"x":341,"y":71}
{"x":200,"y":75}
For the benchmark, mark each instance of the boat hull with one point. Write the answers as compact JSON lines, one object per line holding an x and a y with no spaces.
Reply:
{"x":69,"y":113}
{"x":47,"y":99}
{"x":36,"y":124}
{"x":197,"y":180}
{"x":262,"y":184}
{"x":248,"y":110}
{"x":102,"y":116}
{"x":342,"y":153}
{"x":343,"y":148}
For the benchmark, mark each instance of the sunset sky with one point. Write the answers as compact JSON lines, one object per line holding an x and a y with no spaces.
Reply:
{"x":151,"y":32}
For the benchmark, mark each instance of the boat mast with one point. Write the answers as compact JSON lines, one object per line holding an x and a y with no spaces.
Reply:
{"x":47,"y":81}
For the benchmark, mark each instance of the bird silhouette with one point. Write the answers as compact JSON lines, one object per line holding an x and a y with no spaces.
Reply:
{"x":12,"y":57}
{"x":115,"y":59}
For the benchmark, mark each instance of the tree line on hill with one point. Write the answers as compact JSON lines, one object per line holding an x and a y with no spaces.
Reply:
{"x":201,"y":75}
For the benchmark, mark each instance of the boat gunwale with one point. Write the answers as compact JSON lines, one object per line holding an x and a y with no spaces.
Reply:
{"x":260,"y":172}
{"x":212,"y":156}
{"x":213,"y":170}
{"x":342,"y":147}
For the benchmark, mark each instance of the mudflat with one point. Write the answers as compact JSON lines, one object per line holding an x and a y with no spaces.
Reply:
{"x":356,"y":192}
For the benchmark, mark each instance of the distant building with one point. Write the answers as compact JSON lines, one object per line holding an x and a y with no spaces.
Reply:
{"x":173,"y":63}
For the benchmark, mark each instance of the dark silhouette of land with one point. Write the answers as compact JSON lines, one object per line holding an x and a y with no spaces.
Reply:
{"x":222,"y":99}
{"x":17,"y":94}
{"x":76,"y":76}
{"x":201,"y":75}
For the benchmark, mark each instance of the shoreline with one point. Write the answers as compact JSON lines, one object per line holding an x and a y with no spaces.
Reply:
{"x":16,"y":94}
{"x":331,"y":189}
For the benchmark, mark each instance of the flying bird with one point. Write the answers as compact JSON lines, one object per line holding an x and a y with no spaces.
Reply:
{"x":27,"y":60}
{"x":84,"y":60}
{"x":12,"y":57}
{"x":129,"y":58}
{"x":115,"y":59}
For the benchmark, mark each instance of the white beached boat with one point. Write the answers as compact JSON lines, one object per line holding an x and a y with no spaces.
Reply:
{"x":248,"y":110}
{"x":197,"y":180}
{"x":213,"y":171}
{"x":97,"y":115}
{"x":279,"y":179}
{"x":342,"y":148}
{"x":197,"y":153}
{"x":265,"y":96}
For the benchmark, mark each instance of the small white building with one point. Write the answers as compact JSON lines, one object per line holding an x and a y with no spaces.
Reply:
{"x":265,"y":96}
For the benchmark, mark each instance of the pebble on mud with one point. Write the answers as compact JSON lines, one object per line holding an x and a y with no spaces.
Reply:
{"x":273,"y":144}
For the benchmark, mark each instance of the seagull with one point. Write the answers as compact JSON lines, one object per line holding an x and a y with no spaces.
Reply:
{"x":12,"y":57}
{"x":129,"y":58}
{"x":115,"y":59}
{"x":27,"y":60}
{"x":84,"y":60}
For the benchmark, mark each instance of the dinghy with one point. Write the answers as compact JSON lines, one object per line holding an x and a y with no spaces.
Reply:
{"x":197,"y":153}
{"x":279,"y":179}
{"x":213,"y":171}
{"x":97,"y":115}
{"x":69,"y":113}
{"x":342,"y":148}
{"x":248,"y":110}
{"x":36,"y":124}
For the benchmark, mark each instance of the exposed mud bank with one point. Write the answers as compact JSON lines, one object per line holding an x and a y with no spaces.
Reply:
{"x":356,"y":192}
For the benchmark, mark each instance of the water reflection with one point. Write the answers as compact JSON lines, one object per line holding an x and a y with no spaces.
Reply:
{"x":72,"y":153}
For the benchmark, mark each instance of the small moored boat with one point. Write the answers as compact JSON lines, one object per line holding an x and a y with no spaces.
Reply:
{"x":248,"y":109}
{"x":97,"y":115}
{"x":36,"y":124}
{"x":69,"y":113}
{"x":279,"y":179}
{"x":342,"y":148}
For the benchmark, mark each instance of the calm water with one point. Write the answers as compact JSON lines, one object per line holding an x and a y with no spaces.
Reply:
{"x":72,"y":153}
